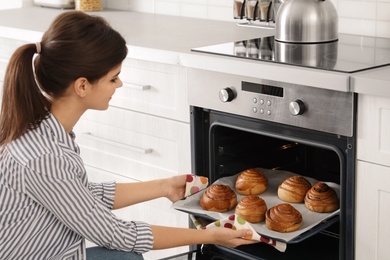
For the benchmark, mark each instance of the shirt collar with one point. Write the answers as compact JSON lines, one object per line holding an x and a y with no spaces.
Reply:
{"x":64,"y":139}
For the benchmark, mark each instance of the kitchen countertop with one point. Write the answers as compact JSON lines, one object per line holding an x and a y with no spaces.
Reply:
{"x":374,"y":82}
{"x":169,"y":39}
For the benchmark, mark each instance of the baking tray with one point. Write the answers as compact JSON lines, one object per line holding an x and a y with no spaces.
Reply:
{"x":313,"y":222}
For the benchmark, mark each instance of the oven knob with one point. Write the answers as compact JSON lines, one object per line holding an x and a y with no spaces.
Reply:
{"x":226,"y":94}
{"x":296,"y":107}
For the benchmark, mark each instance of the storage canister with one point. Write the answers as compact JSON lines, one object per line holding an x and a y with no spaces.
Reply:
{"x":89,"y":5}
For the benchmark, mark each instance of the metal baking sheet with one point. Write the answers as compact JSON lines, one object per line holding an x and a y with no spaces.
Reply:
{"x":313,"y":222}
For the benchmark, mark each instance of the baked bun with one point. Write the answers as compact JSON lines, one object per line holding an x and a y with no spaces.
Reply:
{"x":321,"y":198}
{"x":251,"y":208}
{"x":251,"y":182}
{"x":294,"y":189}
{"x":219,"y":198}
{"x":283,"y":218}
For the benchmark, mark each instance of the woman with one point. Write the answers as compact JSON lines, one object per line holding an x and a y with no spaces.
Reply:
{"x":47,"y":206}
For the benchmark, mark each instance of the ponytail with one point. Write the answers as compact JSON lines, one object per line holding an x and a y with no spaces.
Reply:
{"x":23,"y":104}
{"x":75,"y":45}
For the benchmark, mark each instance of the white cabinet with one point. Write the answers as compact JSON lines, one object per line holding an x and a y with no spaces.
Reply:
{"x":153,"y":88}
{"x":157,"y":212}
{"x":1,"y":82}
{"x":132,"y":144}
{"x":144,"y":135}
{"x":372,"y":211}
{"x":374,"y":129}
{"x":7,"y":47}
{"x":373,"y":178}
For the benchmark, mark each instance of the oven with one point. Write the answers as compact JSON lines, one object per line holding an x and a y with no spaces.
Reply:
{"x":241,"y":122}
{"x":246,"y":122}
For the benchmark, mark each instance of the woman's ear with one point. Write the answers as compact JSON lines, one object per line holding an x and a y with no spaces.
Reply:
{"x":80,"y":86}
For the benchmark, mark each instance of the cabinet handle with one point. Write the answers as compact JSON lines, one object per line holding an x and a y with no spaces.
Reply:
{"x":136,"y":86}
{"x":121,"y":145}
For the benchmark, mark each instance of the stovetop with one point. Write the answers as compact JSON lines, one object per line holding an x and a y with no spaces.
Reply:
{"x":349,"y":54}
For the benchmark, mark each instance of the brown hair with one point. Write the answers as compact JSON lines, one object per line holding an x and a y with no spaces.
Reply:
{"x":75,"y":45}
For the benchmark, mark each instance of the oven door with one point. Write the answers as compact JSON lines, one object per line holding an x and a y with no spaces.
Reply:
{"x":224,"y":144}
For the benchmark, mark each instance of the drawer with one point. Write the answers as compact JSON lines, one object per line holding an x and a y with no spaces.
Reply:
{"x":3,"y":68}
{"x":155,"y":212}
{"x":373,"y":139}
{"x":372,"y":211}
{"x":8,"y":46}
{"x":1,"y":92}
{"x":153,"y":88}
{"x":134,"y":145}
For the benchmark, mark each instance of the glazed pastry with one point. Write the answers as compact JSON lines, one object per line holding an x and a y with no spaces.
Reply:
{"x":251,"y":182}
{"x":321,"y":198}
{"x":283,"y":218}
{"x":294,"y":189}
{"x":219,"y":198}
{"x":251,"y":208}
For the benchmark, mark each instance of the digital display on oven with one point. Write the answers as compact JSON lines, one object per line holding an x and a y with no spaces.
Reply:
{"x":262,"y":89}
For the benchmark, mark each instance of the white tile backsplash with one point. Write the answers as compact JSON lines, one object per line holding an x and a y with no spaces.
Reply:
{"x":363,"y":17}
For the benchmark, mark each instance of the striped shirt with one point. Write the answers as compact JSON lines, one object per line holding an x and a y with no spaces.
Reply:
{"x":47,"y":206}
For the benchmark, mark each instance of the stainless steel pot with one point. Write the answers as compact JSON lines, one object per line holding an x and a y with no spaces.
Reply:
{"x":306,"y":21}
{"x":318,"y":55}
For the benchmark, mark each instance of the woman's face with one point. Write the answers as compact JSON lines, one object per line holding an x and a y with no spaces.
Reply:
{"x":104,"y":88}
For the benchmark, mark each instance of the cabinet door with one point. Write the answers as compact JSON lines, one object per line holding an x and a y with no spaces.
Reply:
{"x":373,"y":129}
{"x":8,"y":46}
{"x":155,"y":212}
{"x":135,"y":145}
{"x":3,"y":65}
{"x":153,"y":88}
{"x":372,"y":211}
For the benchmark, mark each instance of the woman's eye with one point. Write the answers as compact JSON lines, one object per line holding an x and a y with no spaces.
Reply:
{"x":114,"y":80}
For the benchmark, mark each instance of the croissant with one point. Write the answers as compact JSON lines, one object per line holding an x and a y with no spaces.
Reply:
{"x":294,"y":189}
{"x":283,"y":218}
{"x":251,"y":208}
{"x":321,"y":198}
{"x":219,"y":198}
{"x":251,"y":182}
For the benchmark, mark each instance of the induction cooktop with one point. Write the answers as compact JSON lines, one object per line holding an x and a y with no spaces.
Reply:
{"x":349,"y":54}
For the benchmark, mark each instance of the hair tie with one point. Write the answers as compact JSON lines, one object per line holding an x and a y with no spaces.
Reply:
{"x":38,"y":46}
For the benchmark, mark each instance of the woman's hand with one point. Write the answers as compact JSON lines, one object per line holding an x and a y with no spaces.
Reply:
{"x":187,"y":236}
{"x":232,"y":238}
{"x":176,"y":187}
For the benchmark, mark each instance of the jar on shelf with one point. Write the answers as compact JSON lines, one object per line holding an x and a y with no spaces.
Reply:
{"x":239,"y":9}
{"x":266,"y":10}
{"x":252,"y":10}
{"x":89,"y":5}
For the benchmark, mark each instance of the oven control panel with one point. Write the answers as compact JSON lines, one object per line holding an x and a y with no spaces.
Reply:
{"x":297,"y":105}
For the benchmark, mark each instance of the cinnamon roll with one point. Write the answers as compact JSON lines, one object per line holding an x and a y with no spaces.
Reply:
{"x":294,"y":189}
{"x":251,"y":182}
{"x":251,"y":208}
{"x":321,"y":198}
{"x":283,"y":218}
{"x":219,"y":198}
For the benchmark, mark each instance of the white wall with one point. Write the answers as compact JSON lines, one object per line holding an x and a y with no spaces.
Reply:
{"x":7,"y":4}
{"x":363,"y":17}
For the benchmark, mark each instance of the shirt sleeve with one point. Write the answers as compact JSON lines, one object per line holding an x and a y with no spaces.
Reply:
{"x":55,"y":183}
{"x":105,"y":192}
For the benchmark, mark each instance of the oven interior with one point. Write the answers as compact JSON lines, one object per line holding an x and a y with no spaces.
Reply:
{"x":224,"y":144}
{"x":236,"y":150}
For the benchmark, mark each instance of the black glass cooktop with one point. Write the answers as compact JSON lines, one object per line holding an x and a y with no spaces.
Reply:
{"x":350,"y":53}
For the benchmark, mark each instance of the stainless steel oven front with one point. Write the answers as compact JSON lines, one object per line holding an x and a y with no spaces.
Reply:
{"x":239,"y":123}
